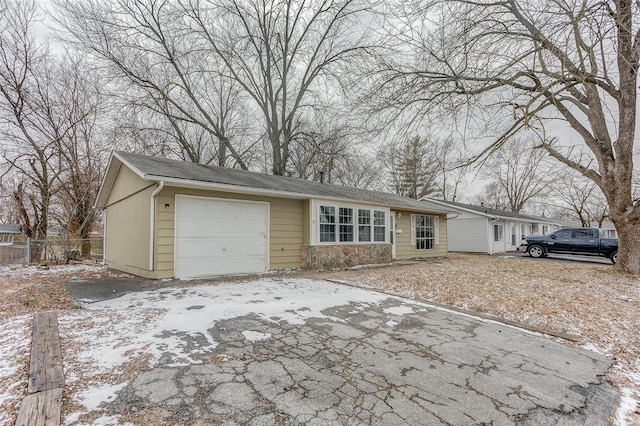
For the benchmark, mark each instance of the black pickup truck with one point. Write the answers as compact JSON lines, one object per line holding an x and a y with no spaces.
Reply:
{"x":583,"y":241}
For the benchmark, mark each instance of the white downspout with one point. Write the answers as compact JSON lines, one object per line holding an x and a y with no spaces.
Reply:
{"x":152,"y":225}
{"x":104,"y":237}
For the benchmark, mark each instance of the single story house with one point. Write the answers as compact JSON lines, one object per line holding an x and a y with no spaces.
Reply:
{"x":167,"y":218}
{"x":608,"y":229}
{"x":8,"y":233}
{"x":482,"y":229}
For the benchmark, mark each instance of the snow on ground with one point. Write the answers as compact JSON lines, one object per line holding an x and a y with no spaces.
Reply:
{"x":14,"y":349}
{"x":173,"y":323}
{"x":19,"y":271}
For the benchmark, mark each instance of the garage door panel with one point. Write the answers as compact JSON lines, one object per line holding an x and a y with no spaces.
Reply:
{"x":208,"y":247}
{"x":193,"y":228}
{"x":218,"y":237}
{"x":200,"y":268}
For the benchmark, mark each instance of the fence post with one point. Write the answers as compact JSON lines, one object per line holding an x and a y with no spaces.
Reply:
{"x":28,"y":250}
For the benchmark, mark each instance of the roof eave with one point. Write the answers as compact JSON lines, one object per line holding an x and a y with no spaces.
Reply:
{"x":222,"y":187}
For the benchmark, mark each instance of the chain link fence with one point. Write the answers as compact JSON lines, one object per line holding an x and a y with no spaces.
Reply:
{"x":54,"y":250}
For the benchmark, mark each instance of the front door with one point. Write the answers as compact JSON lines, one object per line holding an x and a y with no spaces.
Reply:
{"x":497,"y":238}
{"x":392,"y":233}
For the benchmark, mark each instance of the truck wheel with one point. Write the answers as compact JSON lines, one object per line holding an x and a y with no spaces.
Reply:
{"x":536,"y":251}
{"x":614,"y":257}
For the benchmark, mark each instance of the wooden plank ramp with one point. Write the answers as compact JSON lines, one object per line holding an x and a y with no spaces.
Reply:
{"x":42,"y":407}
{"x":45,"y":369}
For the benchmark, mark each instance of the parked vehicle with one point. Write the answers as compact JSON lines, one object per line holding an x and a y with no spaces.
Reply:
{"x":583,"y":241}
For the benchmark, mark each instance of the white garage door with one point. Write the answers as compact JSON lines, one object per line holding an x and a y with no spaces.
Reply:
{"x":218,"y":237}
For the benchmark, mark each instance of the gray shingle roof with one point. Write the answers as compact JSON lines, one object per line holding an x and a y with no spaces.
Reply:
{"x":156,"y":169}
{"x":495,"y":212}
{"x":9,"y":228}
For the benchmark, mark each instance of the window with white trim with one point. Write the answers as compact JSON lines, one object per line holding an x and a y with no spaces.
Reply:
{"x":379,"y":227}
{"x":364,"y":225}
{"x":351,"y":225}
{"x":327,"y":224}
{"x":425,"y":232}
{"x":345,"y":216}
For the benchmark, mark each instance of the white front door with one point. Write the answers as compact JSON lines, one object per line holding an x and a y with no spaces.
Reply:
{"x":392,"y":233}
{"x":497,"y":238}
{"x":220,"y":237}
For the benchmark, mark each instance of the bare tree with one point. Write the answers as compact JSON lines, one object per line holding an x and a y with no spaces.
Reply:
{"x":283,"y":53}
{"x":161,"y":67}
{"x":582,"y":198}
{"x":519,"y":64}
{"x":452,"y":167}
{"x":48,"y":110}
{"x":76,"y":101}
{"x":520,"y":173}
{"x":491,"y":196}
{"x":30,"y":151}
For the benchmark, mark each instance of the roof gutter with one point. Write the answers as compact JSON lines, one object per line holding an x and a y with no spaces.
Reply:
{"x":152,"y":224}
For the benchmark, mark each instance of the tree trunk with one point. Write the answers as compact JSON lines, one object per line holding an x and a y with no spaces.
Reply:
{"x":628,"y":243}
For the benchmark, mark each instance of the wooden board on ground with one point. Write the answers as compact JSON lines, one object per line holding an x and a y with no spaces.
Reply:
{"x":40,"y":409}
{"x":45,"y":369}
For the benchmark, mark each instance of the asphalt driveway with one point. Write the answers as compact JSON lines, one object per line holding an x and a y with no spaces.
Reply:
{"x":295,"y":351}
{"x":558,"y":257}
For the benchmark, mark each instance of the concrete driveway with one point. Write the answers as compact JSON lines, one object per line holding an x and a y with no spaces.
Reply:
{"x":295,"y":351}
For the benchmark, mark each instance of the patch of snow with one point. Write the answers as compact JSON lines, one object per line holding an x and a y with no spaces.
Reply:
{"x":391,"y":323}
{"x":160,"y":322}
{"x":399,"y":310}
{"x":255,"y":336}
{"x":52,"y":270}
{"x":14,"y":347}
{"x":369,"y":265}
{"x":91,"y":399}
{"x":628,"y":405}
{"x":593,"y":348}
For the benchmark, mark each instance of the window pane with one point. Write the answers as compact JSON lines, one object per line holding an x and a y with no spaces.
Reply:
{"x":364,"y":233}
{"x":327,"y":233}
{"x":346,"y":233}
{"x":346,"y":215}
{"x":378,"y":218}
{"x":327,"y":214}
{"x":379,"y":233}
{"x":364,"y":217}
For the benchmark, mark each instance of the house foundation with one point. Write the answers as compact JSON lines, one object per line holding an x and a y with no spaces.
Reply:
{"x":344,"y":256}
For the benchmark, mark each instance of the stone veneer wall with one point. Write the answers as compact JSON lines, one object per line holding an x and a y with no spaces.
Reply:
{"x":344,"y":256}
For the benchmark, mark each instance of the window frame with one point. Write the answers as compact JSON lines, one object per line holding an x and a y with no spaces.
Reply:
{"x":333,"y":224}
{"x":354,"y":226}
{"x":426,"y":239}
{"x":345,"y":225}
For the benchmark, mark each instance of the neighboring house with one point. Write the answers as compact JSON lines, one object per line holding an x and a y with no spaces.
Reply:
{"x":608,"y":229}
{"x":482,"y":229}
{"x":8,"y":233}
{"x":166,"y":218}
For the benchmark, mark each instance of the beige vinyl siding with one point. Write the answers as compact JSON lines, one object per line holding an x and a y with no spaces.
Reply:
{"x":405,"y":249}
{"x":127,"y":230}
{"x":285,"y":228}
{"x":306,"y":222}
{"x":125,"y":185}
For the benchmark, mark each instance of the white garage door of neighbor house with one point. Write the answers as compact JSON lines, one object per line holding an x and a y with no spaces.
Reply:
{"x":219,"y":237}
